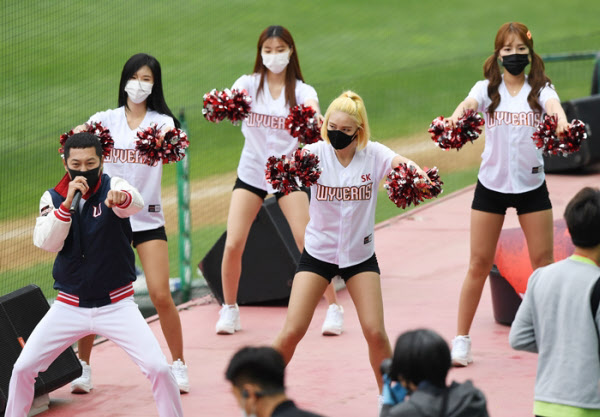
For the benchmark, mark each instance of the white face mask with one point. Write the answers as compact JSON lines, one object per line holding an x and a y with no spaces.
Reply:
{"x":276,"y":62}
{"x":138,"y":91}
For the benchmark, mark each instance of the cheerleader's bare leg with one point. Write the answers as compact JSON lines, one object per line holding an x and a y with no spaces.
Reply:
{"x":539,"y":232}
{"x":242,"y":211}
{"x":365,"y":290}
{"x":307,"y":290}
{"x":295,"y":209}
{"x":485,"y":231}
{"x":154,"y":257}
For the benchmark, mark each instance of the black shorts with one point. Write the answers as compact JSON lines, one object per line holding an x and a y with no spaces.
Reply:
{"x":261,"y":193}
{"x":328,"y":271}
{"x":147,"y":235}
{"x":494,"y":202}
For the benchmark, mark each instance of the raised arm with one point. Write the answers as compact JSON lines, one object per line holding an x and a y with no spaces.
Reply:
{"x":52,"y":225}
{"x":123,"y":198}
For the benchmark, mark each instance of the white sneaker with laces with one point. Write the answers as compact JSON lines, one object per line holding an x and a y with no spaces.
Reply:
{"x":461,"y":351}
{"x":83,"y":384}
{"x":229,"y":320}
{"x":334,"y":321}
{"x":180,"y":372}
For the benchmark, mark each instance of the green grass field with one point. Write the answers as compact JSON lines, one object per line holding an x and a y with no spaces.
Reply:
{"x":411,"y":61}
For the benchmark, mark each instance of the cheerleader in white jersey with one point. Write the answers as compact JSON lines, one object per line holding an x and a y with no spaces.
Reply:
{"x":339,"y":235}
{"x":142,"y":103}
{"x":512,"y":171}
{"x":275,"y":85}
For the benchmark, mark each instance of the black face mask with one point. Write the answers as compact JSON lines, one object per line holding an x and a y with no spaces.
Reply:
{"x":515,"y":63}
{"x":338,"y":139}
{"x":92,"y":176}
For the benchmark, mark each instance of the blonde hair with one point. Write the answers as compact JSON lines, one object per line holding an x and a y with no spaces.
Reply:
{"x":350,"y":103}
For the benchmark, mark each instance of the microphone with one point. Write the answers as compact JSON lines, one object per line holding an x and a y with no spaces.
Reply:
{"x":75,"y":202}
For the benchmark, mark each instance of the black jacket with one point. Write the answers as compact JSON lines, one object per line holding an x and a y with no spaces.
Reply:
{"x":464,"y":400}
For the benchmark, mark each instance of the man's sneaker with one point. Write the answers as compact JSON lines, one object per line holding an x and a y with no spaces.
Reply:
{"x":334,"y":321}
{"x":180,"y":372}
{"x":461,"y":351}
{"x":229,"y":320}
{"x":83,"y":384}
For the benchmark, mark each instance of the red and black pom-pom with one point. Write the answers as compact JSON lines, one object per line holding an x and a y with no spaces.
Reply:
{"x":405,"y":186}
{"x":435,"y":187}
{"x":289,"y":174}
{"x":306,"y":167}
{"x":231,"y":104}
{"x":575,"y":135}
{"x":156,"y":145}
{"x":97,"y":129}
{"x":442,"y":135}
{"x":545,"y":137}
{"x":302,"y":123}
{"x":214,"y":109}
{"x":237,"y":104}
{"x":467,"y":129}
{"x":279,"y":173}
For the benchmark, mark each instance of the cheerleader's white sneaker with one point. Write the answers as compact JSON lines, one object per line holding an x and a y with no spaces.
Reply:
{"x":461,"y":351}
{"x":334,"y":321}
{"x":83,"y":384}
{"x":229,"y":319}
{"x":180,"y":372}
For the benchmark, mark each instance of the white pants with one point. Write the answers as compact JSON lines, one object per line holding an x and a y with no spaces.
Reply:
{"x":64,"y":324}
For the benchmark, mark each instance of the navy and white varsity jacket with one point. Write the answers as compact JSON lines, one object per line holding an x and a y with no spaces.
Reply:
{"x":95,"y":264}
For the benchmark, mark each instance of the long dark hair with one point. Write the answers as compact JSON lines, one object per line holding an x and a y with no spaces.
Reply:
{"x":293,"y":71}
{"x":156,"y":100}
{"x":537,"y":77}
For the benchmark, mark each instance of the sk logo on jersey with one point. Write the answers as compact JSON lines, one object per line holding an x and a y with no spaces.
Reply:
{"x":365,"y":177}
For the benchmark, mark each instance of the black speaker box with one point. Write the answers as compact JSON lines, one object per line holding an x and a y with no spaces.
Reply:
{"x":505,"y":300}
{"x":268,"y":264}
{"x":586,"y":109}
{"x":20,"y":312}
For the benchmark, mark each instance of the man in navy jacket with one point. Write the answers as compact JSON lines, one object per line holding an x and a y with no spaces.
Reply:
{"x":93,"y":271}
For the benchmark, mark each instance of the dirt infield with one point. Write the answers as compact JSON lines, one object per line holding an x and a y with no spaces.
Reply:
{"x":210,"y":199}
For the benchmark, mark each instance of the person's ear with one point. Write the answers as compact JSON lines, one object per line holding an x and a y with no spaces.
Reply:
{"x":64,"y":161}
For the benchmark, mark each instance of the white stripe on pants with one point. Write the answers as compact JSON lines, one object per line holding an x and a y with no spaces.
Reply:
{"x":64,"y":324}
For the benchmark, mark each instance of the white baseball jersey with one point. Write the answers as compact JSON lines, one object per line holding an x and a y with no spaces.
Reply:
{"x":125,"y":162}
{"x":342,"y":204}
{"x":264,"y":129}
{"x":510,"y":161}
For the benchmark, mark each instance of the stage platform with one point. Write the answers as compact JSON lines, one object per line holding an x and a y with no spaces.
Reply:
{"x":423,"y":256}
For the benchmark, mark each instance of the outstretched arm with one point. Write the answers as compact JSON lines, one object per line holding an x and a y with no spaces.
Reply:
{"x":123,"y":198}
{"x":554,"y":108}
{"x":399,"y":159}
{"x":468,"y":104}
